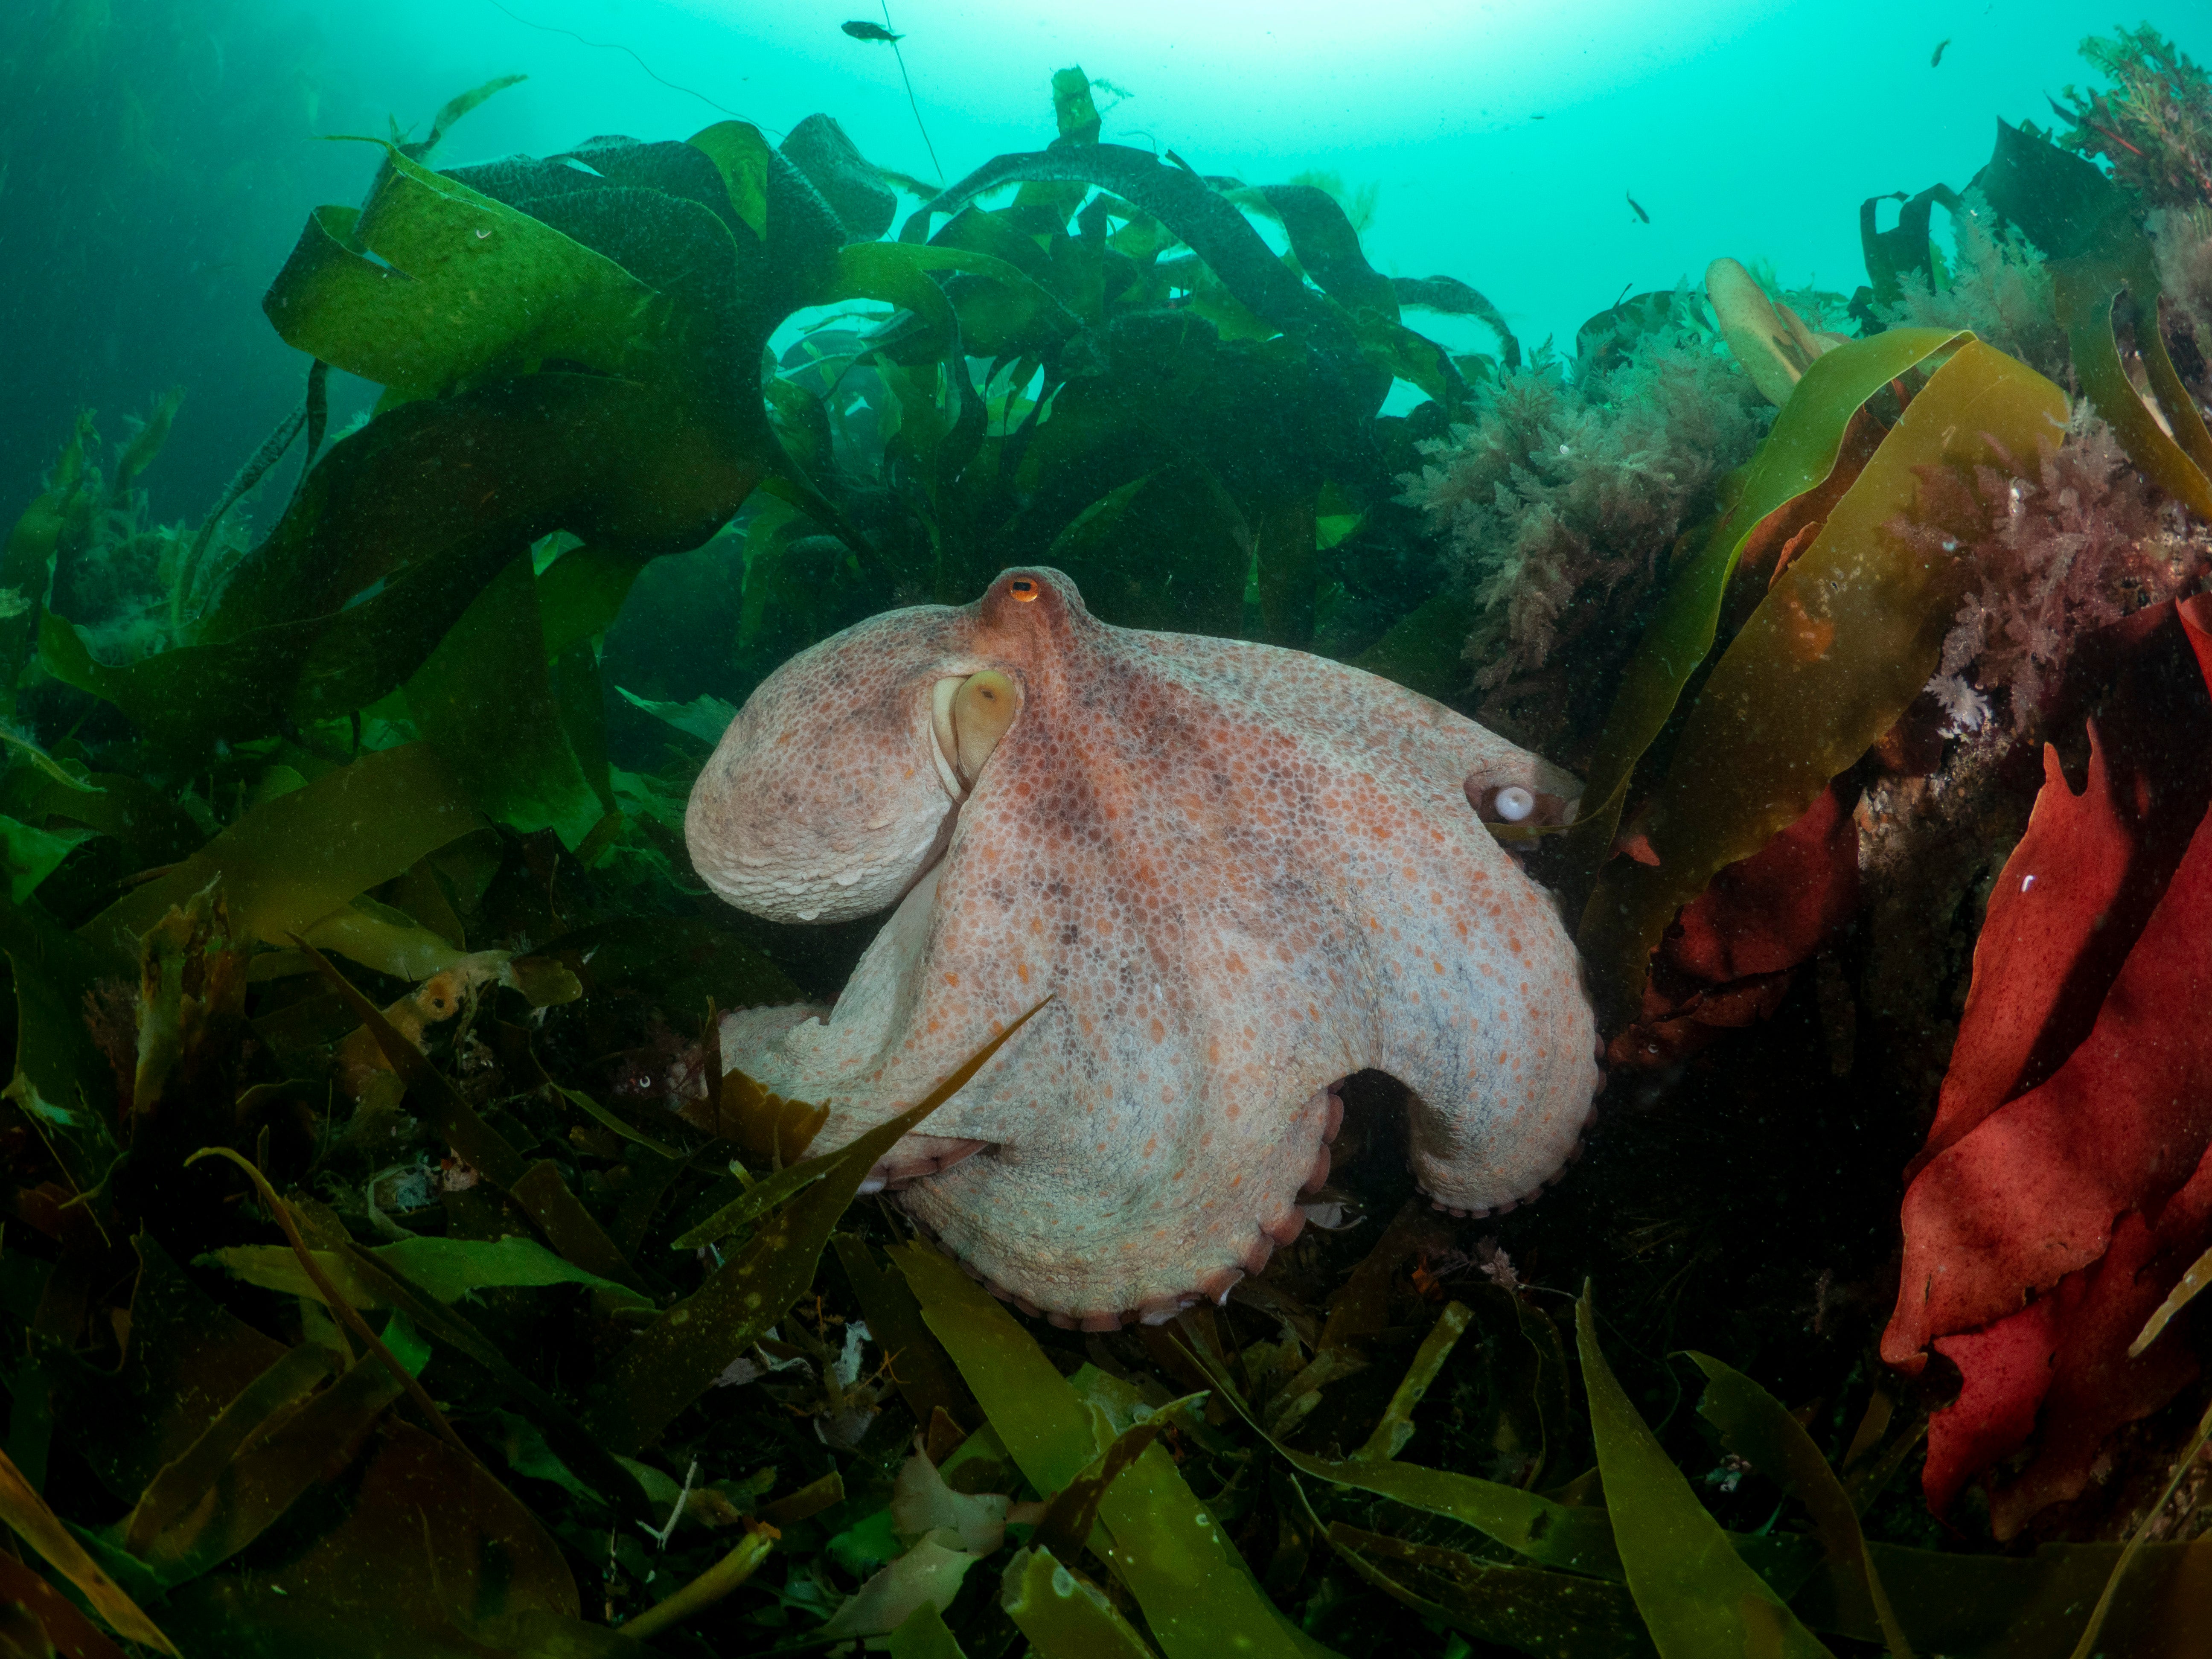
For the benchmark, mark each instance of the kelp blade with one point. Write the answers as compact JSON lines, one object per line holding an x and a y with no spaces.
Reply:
{"x":775,"y":1190}
{"x":2089,"y":226}
{"x":33,"y":1520}
{"x":1552,"y":1613}
{"x":1758,"y":1427}
{"x":679,"y":1357}
{"x":1841,"y":644}
{"x":485,"y":702}
{"x":1198,"y":1597}
{"x":447,"y":1268}
{"x":1022,"y":1395}
{"x":1578,"y":1539}
{"x":1697,"y":1596}
{"x":1992,"y":1606}
{"x":1797,"y":455}
{"x":292,"y":860}
{"x":2085,"y":289}
{"x":1063,"y":1617}
{"x":469,"y":285}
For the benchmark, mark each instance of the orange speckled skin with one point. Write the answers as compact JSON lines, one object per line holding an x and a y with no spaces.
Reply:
{"x":1244,"y":872}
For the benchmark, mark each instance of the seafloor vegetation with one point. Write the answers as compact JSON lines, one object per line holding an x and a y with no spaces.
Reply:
{"x":378,"y":1278}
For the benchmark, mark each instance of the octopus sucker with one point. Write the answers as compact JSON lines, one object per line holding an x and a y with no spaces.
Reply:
{"x":1198,"y":847}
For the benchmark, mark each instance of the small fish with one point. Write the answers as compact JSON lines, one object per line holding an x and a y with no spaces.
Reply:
{"x":862,"y":29}
{"x":1638,"y":208}
{"x":1938,"y":57}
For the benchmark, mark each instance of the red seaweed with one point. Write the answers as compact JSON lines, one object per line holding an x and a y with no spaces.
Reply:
{"x":2041,"y":1229}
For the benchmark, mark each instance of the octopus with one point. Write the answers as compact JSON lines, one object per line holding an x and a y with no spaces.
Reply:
{"x":1241,"y":873}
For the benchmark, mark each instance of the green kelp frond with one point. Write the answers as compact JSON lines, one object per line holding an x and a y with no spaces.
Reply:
{"x":1360,"y":202}
{"x":1562,"y":497}
{"x":2105,"y":288}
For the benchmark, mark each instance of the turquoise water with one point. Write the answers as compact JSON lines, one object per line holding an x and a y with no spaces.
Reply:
{"x":157,"y":156}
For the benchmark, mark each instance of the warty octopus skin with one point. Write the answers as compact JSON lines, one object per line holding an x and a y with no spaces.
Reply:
{"x":1242,"y":873}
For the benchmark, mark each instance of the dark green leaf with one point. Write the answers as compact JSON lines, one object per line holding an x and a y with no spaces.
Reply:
{"x":62,"y":1083}
{"x":1396,"y":1426}
{"x":485,"y":702}
{"x":424,"y":1554}
{"x":1893,"y":254}
{"x":1073,"y":1509}
{"x":455,"y":107}
{"x":1167,"y":551}
{"x":430,"y":1318}
{"x":926,"y":1377}
{"x":833,"y":164}
{"x":592,"y":1109}
{"x":1989,"y":1607}
{"x":679,"y":1358}
{"x":1563,"y":1536}
{"x":1329,"y":248}
{"x":580,"y":594}
{"x":2061,"y":203}
{"x":447,"y":1268}
{"x":273,"y":1395}
{"x":266,"y":1477}
{"x":706,"y":717}
{"x":1424,"y":648}
{"x":292,"y":860}
{"x":1697,"y":1596}
{"x":539,"y":1188}
{"x":677,"y":961}
{"x":1757,"y":1427}
{"x":1552,"y":1614}
{"x":1063,"y":1617}
{"x":1199,"y":1599}
{"x":1454,"y":298}
{"x":1024,"y":1396}
{"x":1193,"y":210}
{"x":188,"y":1358}
{"x":468,"y":287}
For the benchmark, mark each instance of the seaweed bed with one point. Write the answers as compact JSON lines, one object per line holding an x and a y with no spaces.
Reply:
{"x":387,"y":1279}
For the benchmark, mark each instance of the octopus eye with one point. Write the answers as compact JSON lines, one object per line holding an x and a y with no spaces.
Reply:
{"x":1023,"y":589}
{"x":1512,"y":803}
